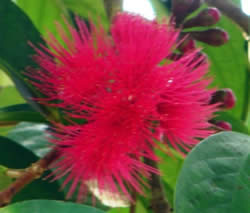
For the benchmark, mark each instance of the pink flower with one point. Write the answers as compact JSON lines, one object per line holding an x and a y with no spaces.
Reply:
{"x":129,"y":94}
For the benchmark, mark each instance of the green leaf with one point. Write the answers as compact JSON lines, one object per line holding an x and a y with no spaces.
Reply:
{"x":138,"y":209}
{"x":10,"y":96}
{"x":119,"y":210}
{"x":4,"y":130}
{"x":34,"y":137}
{"x":31,"y":136}
{"x":4,"y":179}
{"x":170,"y":167}
{"x":88,"y":8}
{"x":18,"y":113}
{"x":13,"y":155}
{"x":159,"y":8}
{"x":44,"y":14}
{"x":215,"y":176}
{"x":11,"y":115}
{"x":4,"y":80}
{"x":15,"y":52}
{"x":48,"y":206}
{"x":18,"y":30}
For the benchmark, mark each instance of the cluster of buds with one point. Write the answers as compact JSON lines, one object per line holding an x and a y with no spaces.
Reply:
{"x":225,"y":99}
{"x":214,"y":36}
{"x":207,"y":17}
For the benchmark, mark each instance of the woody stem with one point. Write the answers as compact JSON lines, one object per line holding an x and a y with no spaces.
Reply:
{"x":159,"y":203}
{"x":133,"y":204}
{"x":26,"y":176}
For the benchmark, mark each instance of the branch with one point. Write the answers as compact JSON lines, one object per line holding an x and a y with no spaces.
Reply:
{"x":133,"y":204}
{"x":15,"y":173}
{"x":159,"y":203}
{"x":26,"y":176}
{"x":233,"y":12}
{"x":112,"y":7}
{"x":8,"y":123}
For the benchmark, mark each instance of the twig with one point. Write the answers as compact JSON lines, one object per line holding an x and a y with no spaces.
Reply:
{"x":133,"y":204}
{"x":159,"y":203}
{"x":233,"y":12}
{"x":8,"y":123}
{"x":15,"y":173}
{"x":26,"y":176}
{"x":112,"y":7}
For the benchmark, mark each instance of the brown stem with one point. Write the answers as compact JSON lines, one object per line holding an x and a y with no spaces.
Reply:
{"x":233,"y":12}
{"x":112,"y":7}
{"x":15,"y":173}
{"x":7,"y":123}
{"x":133,"y":204}
{"x":27,"y":176}
{"x":159,"y":203}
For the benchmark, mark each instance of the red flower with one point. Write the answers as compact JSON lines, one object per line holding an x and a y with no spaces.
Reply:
{"x":129,"y":94}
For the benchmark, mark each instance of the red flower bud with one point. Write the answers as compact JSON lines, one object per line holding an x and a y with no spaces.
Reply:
{"x":224,"y":125}
{"x":225,"y":97}
{"x":214,"y":37}
{"x":181,"y":8}
{"x":187,"y":45}
{"x":206,"y":17}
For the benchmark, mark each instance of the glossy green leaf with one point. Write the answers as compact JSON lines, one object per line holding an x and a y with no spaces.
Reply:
{"x":4,"y":80}
{"x":159,"y":8}
{"x":13,"y":155}
{"x":48,"y":206}
{"x":215,"y":176}
{"x":138,"y":209}
{"x":10,"y":96}
{"x":18,"y":113}
{"x":34,"y":137}
{"x":15,"y":52}
{"x":55,"y":11}
{"x":31,"y":136}
{"x":119,"y":210}
{"x":88,"y":8}
{"x":248,"y":119}
{"x":18,"y":30}
{"x":170,"y":167}
{"x":5,"y":129}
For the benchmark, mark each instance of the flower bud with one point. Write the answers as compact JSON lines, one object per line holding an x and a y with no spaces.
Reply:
{"x":181,"y":8}
{"x":224,"y":97}
{"x":206,"y":17}
{"x":214,"y":37}
{"x":223,"y":125}
{"x":195,"y":5}
{"x":187,"y":45}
